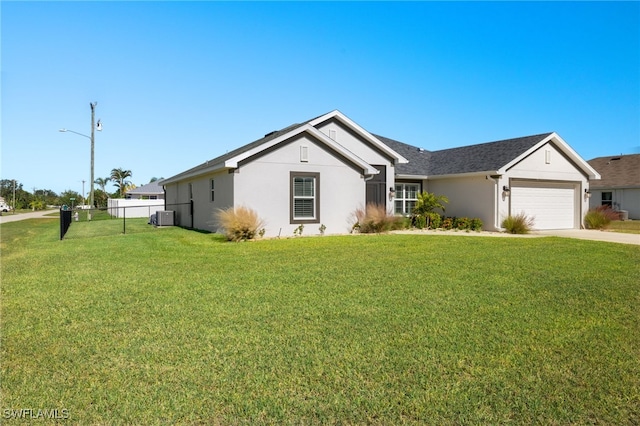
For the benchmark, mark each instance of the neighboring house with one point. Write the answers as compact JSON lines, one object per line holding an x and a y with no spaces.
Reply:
{"x":620,"y":183}
{"x":320,"y":171}
{"x":150,"y":191}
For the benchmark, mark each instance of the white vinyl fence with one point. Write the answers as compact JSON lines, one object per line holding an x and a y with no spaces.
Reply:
{"x":120,"y":207}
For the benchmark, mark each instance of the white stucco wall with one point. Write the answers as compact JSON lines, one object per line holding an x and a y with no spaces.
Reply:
{"x":623,"y":199}
{"x":472,"y":197}
{"x":535,"y":166}
{"x":359,"y":146}
{"x":178,"y":199}
{"x":177,"y":195}
{"x":264,"y":185}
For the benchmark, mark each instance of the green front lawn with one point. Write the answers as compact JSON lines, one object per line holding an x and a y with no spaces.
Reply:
{"x":172,"y":326}
{"x":626,"y":226}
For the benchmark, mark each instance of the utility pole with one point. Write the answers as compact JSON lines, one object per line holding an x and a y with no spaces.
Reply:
{"x":14,"y":196}
{"x":93,"y":110}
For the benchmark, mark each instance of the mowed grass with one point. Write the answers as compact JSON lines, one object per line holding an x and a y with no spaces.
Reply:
{"x":626,"y":226}
{"x":171,"y":326}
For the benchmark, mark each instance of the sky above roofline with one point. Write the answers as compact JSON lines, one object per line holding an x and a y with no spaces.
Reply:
{"x":178,"y":83}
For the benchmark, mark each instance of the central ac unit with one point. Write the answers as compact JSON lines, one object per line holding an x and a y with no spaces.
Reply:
{"x":165,"y":217}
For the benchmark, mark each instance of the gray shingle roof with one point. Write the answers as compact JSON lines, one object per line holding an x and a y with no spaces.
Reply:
{"x":483,"y":157}
{"x":617,"y":171}
{"x":152,"y":188}
{"x":240,"y":150}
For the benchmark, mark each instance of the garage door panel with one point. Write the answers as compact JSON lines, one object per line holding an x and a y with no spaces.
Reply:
{"x":551,"y":207}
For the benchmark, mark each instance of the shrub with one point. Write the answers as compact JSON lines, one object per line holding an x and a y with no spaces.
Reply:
{"x":518,"y":224}
{"x":476,"y":224}
{"x":419,"y":221}
{"x":600,"y":217}
{"x":240,"y":223}
{"x":447,"y":223}
{"x":435,"y":220}
{"x":462,"y":223}
{"x":403,"y":222}
{"x":375,"y":219}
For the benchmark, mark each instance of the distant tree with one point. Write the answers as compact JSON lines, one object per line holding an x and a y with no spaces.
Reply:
{"x":100,"y":196}
{"x":129,"y":186}
{"x":119,"y":177}
{"x":153,"y":179}
{"x":102,"y":183}
{"x":47,"y":196}
{"x":23,"y":198}
{"x":64,"y":199}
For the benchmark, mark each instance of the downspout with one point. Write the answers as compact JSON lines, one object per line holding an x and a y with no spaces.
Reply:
{"x":496,"y":197}
{"x":164,"y":189}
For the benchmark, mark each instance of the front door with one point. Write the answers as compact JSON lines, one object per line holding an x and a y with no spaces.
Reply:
{"x":377,"y":188}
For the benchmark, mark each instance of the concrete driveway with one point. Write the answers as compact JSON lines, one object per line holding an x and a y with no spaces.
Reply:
{"x":593,"y":235}
{"x":581,"y":234}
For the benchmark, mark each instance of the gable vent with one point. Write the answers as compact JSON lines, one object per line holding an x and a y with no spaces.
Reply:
{"x":304,"y":154}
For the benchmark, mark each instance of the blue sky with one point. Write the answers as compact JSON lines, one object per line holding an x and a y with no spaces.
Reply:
{"x":178,"y":83}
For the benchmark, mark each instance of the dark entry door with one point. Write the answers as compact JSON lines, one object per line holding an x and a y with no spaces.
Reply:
{"x":377,"y":188}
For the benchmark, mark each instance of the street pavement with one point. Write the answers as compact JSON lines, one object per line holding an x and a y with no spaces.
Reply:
{"x":11,"y":217}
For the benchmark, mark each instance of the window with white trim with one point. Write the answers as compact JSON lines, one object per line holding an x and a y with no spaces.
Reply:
{"x":406,"y":197}
{"x":305,"y":195}
{"x":607,"y":198}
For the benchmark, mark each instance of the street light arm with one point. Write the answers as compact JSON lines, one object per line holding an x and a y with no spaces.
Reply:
{"x":72,"y":131}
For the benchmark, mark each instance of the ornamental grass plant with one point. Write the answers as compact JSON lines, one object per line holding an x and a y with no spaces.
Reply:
{"x":518,"y":224}
{"x":376,"y":219}
{"x":600,"y":217}
{"x":239,"y":223}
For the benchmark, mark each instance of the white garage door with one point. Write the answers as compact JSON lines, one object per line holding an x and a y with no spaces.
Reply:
{"x":552,"y":206}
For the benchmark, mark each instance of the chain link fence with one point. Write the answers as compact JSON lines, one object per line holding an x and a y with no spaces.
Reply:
{"x":115,"y":219}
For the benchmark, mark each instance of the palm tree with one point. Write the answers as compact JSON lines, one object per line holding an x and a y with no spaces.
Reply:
{"x":102,"y":183}
{"x":102,"y":195}
{"x":119,"y":176}
{"x":426,"y":203}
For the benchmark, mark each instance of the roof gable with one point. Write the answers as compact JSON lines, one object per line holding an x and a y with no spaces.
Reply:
{"x":231,"y":159}
{"x":232,"y":162}
{"x":353,"y":126}
{"x":617,"y":171}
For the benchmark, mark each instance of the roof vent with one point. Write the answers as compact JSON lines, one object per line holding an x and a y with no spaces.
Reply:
{"x":270,"y":133}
